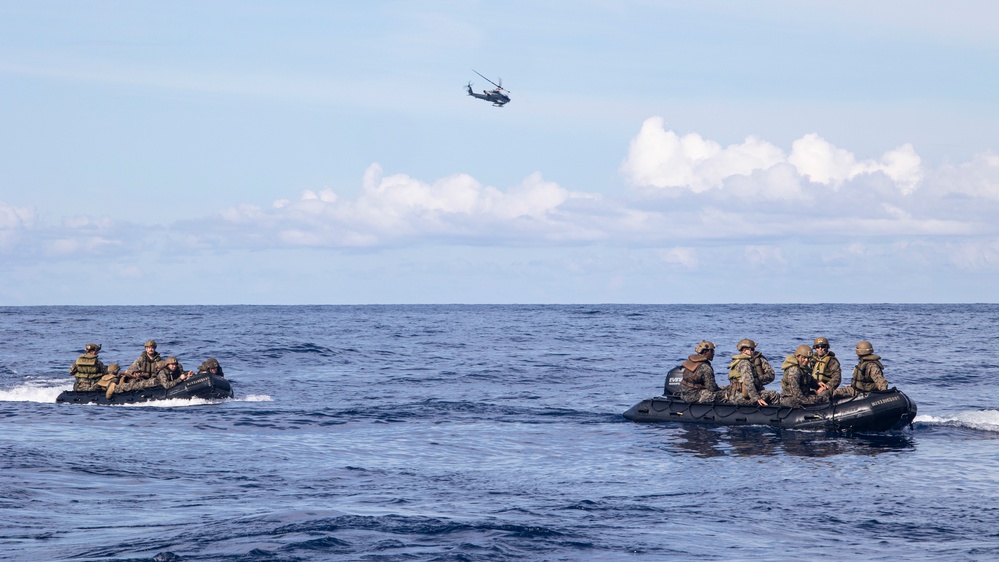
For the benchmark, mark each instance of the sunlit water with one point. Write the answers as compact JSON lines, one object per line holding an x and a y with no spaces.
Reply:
{"x":487,"y":433}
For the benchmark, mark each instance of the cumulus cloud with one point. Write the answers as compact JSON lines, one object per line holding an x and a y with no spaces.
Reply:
{"x":395,"y":207}
{"x":14,"y":221}
{"x":661,"y":158}
{"x":683,"y":256}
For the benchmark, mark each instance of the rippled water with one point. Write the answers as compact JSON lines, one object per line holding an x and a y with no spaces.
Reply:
{"x":487,"y":433}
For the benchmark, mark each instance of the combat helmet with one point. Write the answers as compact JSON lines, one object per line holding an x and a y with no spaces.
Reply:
{"x":743,"y":343}
{"x":92,"y":347}
{"x":703,"y":347}
{"x":803,"y":351}
{"x":150,"y":343}
{"x":820,"y":341}
{"x":864,"y":347}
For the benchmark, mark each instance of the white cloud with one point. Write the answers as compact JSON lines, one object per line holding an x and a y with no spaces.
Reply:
{"x":682,"y":256}
{"x":14,"y":221}
{"x":978,"y":178}
{"x":662,"y":159}
{"x":396,"y":207}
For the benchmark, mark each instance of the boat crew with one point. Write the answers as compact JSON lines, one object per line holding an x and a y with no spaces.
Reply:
{"x":825,"y":368}
{"x":797,"y":385}
{"x":868,"y":375}
{"x":748,"y":373}
{"x":698,"y":384}
{"x":88,"y":369}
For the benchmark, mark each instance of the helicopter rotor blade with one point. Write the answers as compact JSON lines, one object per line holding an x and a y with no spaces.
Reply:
{"x":500,"y":85}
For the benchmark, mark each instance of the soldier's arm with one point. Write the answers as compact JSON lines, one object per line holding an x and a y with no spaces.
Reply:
{"x":72,"y":369}
{"x":768,"y":373}
{"x":709,"y":378}
{"x":835,"y":373}
{"x":879,"y":378}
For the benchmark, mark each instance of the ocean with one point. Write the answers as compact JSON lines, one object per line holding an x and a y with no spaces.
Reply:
{"x":461,"y":433}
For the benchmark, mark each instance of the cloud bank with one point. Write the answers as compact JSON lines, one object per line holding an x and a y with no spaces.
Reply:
{"x":685,"y":204}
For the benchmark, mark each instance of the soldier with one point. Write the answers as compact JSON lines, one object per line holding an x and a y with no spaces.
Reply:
{"x":748,"y":373}
{"x":211,"y":366}
{"x":145,"y":366}
{"x":168,"y":374}
{"x":825,"y":368}
{"x":109,"y":381}
{"x":172,"y":373}
{"x":87,"y":369}
{"x":797,"y":384}
{"x":698,"y":384}
{"x":868,"y":375}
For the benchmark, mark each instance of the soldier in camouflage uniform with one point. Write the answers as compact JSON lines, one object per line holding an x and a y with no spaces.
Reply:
{"x":868,"y":375}
{"x":748,"y":373}
{"x":797,"y":385}
{"x":825,"y":367}
{"x":211,"y":366}
{"x":88,"y":369}
{"x":168,"y":374}
{"x":698,"y":384}
{"x":145,"y":366}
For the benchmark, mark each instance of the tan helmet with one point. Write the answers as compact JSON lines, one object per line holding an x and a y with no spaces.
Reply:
{"x":114,"y":369}
{"x":803,"y":351}
{"x":150,"y":343}
{"x":820,"y":341}
{"x":703,"y":347}
{"x":172,"y":361}
{"x":864,"y":347}
{"x":745,"y":343}
{"x":92,"y":347}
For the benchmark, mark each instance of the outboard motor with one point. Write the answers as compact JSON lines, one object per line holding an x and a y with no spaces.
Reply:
{"x":673,"y":379}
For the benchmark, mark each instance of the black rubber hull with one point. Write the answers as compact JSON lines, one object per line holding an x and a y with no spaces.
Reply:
{"x":208,"y":387}
{"x":888,"y":410}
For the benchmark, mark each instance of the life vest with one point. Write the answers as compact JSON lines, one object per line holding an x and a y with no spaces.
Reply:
{"x":796,"y":375}
{"x":145,"y":365}
{"x":861,"y":380}
{"x":88,"y":367}
{"x":820,"y":366}
{"x":691,"y":378}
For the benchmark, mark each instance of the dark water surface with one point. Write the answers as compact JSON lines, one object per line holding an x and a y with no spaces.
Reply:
{"x":488,"y":433}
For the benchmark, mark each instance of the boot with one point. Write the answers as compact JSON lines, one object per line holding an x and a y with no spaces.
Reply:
{"x":110,"y":391}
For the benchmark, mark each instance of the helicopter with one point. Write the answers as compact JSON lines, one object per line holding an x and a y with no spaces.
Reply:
{"x":496,"y":95}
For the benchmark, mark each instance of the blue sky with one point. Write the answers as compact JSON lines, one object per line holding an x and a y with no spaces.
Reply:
{"x":654,"y":152}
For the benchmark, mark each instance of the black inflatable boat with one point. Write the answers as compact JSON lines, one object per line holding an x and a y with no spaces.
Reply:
{"x":205,"y":386}
{"x":876,"y":411}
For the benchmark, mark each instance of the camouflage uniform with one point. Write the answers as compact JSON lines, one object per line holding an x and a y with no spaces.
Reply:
{"x":164,"y":377}
{"x":797,"y":385}
{"x":88,"y":370}
{"x":699,"y":380}
{"x":747,"y":376}
{"x":826,"y":369}
{"x":145,"y":366}
{"x":210,"y":364}
{"x":868,"y":375}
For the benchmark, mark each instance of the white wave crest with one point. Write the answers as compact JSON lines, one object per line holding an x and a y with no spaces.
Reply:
{"x":33,"y":392}
{"x":984,"y":420}
{"x":254,"y":398}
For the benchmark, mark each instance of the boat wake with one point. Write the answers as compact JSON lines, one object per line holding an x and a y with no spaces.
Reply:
{"x":46,"y":391}
{"x":35,"y":391}
{"x":982,"y":420}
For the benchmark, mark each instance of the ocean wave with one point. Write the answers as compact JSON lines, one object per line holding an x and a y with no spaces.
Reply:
{"x":253,"y":398}
{"x":984,"y":420}
{"x":33,"y":392}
